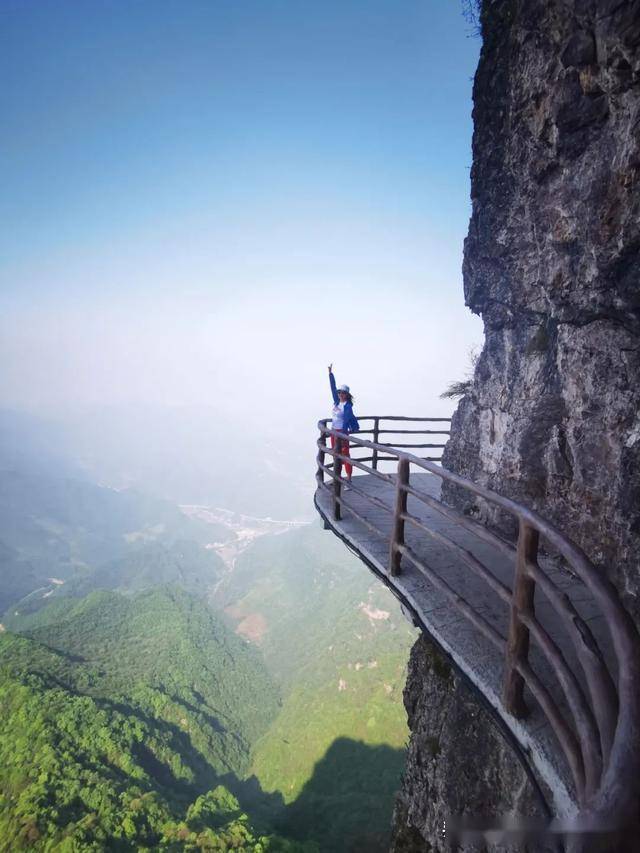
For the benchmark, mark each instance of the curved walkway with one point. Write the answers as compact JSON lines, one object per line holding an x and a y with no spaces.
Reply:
{"x":462,"y":585}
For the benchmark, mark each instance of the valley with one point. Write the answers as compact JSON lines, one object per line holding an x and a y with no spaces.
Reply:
{"x":191,"y":659}
{"x":243,"y":530}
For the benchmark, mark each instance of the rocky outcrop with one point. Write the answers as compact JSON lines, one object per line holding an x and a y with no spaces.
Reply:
{"x":458,"y":763}
{"x":552,"y":263}
{"x":552,"y":417}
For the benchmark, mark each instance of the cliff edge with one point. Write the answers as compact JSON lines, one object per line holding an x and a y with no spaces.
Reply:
{"x":552,"y":264}
{"x":552,"y":416}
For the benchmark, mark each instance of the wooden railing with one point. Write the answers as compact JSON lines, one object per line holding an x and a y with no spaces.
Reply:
{"x":601,"y":742}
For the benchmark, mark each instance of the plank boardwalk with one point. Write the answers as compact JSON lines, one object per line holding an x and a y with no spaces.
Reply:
{"x":477,"y":659}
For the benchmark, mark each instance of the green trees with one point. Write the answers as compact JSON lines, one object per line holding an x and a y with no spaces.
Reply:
{"x":135,"y":716}
{"x":337,"y":645}
{"x":118,"y":720}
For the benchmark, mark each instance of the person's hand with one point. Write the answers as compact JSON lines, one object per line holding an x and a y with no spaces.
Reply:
{"x":330,"y":366}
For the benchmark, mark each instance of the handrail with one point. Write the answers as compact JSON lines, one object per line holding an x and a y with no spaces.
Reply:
{"x":602,"y":748}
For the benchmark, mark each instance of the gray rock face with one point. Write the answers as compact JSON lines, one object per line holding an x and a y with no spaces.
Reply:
{"x":552,"y":263}
{"x":458,"y":763}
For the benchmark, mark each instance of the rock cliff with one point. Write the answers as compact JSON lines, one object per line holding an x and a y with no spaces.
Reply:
{"x":458,"y":763}
{"x":552,"y":415}
{"x":552,"y":264}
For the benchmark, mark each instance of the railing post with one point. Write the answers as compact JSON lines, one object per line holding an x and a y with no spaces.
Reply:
{"x":337,"y":486}
{"x":321,"y":457}
{"x":376,"y":432}
{"x":518,"y":639}
{"x":397,"y":536}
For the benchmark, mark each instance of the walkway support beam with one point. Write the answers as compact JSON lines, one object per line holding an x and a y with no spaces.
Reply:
{"x":397,"y":539}
{"x":337,"y":482}
{"x":322,"y":444}
{"x":376,"y":435}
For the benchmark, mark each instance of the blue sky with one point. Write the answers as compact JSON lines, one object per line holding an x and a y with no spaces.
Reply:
{"x":193,"y":190}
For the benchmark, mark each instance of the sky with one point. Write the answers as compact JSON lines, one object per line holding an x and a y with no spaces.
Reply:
{"x":207,"y":201}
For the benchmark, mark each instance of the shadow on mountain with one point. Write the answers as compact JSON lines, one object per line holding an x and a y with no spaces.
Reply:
{"x":264,"y":808}
{"x":346,"y":806}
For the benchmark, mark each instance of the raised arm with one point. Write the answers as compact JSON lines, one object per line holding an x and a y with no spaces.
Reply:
{"x":332,"y":383}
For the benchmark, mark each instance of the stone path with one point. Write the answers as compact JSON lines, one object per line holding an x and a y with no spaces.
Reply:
{"x":478,"y":659}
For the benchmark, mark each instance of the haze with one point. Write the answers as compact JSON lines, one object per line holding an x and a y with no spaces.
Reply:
{"x":204,"y":203}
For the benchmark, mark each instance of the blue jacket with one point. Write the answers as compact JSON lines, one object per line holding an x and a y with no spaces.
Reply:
{"x":350,"y":422}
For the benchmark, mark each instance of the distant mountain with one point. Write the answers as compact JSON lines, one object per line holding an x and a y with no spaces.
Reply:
{"x":188,"y":455}
{"x":187,"y":565}
{"x":18,"y":577}
{"x":55,"y":530}
{"x":33,"y":444}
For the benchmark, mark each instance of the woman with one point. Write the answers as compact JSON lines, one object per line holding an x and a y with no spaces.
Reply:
{"x":343,"y":419}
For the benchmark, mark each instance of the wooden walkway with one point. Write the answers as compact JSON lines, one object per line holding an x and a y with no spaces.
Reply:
{"x":478,"y":659}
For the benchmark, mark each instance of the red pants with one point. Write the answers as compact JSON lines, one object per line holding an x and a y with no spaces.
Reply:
{"x":344,"y":450}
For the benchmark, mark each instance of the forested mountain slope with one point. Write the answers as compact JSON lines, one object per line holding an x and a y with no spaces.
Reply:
{"x":164,"y":652}
{"x":337,"y":645}
{"x":149,"y":658}
{"x":79,"y":774}
{"x":119,"y":715}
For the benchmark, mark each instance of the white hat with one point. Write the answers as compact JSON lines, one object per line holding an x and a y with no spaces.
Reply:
{"x":343,"y":388}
